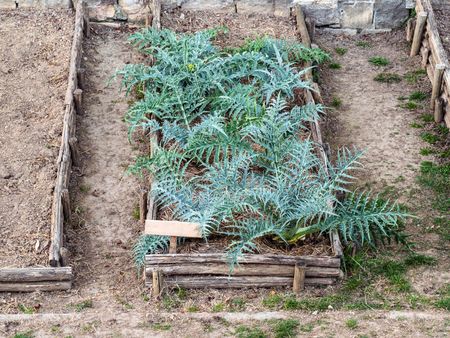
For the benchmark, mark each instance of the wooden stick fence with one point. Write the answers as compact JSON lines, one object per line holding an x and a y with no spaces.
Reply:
{"x":35,"y":279}
{"x":68,"y":153}
{"x":425,"y":40}
{"x":211,"y":270}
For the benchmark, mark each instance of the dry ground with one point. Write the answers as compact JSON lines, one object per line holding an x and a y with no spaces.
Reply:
{"x":108,"y":299}
{"x":442,"y":14}
{"x":34,"y":59}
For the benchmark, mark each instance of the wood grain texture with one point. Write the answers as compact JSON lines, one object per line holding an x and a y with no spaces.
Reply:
{"x":21,"y":275}
{"x":172,"y":228}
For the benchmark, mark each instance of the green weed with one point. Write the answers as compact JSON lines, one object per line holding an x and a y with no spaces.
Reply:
{"x":443,"y":130}
{"x":237,"y":304}
{"x":363,"y":44}
{"x":426,"y":151}
{"x":416,"y":125}
{"x":334,"y":65}
{"x":427,"y":118}
{"x":193,"y":308}
{"x":285,"y":328}
{"x":437,"y":178}
{"x":415,"y":75}
{"x":387,"y":78}
{"x":161,"y":327}
{"x":86,"y":304}
{"x":429,"y":138}
{"x":351,"y":323}
{"x":272,"y":301}
{"x":379,"y":61}
{"x":336,"y":102}
{"x":25,"y":309}
{"x":84,"y":188}
{"x":219,"y":307}
{"x":27,"y":334}
{"x":244,"y":331}
{"x":418,"y":96}
{"x":340,"y":50}
{"x":136,"y":214}
{"x":410,"y":105}
{"x":415,"y":259}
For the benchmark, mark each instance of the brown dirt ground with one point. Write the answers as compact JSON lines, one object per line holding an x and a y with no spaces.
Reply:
{"x":103,"y":229}
{"x":34,"y":54}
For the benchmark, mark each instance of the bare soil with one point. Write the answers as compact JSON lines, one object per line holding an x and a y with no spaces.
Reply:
{"x":34,"y":54}
{"x":442,"y":14}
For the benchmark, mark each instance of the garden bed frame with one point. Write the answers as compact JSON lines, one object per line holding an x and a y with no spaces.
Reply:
{"x":57,"y":277}
{"x":211,"y":270}
{"x":423,"y":34}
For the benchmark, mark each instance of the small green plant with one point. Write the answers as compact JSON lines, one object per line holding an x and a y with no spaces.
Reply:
{"x":426,"y":151}
{"x":84,"y":188}
{"x":415,"y":75}
{"x":363,"y":44}
{"x":444,"y":301}
{"x":285,"y":328}
{"x":430,"y":138}
{"x":415,"y":259}
{"x":416,"y":125}
{"x":443,"y":130}
{"x":351,"y":323}
{"x":219,"y":307}
{"x":136,"y":214}
{"x":244,"y":331}
{"x":272,"y":301}
{"x":161,"y":326}
{"x":379,"y":61}
{"x":427,"y":118}
{"x":410,"y":105}
{"x":387,"y":78}
{"x":418,"y":96}
{"x":340,"y":50}
{"x":86,"y":304}
{"x":336,"y":102}
{"x":26,"y":309}
{"x":334,"y":65}
{"x":437,"y":177}
{"x":27,"y":334}
{"x":193,"y":308}
{"x":237,"y":304}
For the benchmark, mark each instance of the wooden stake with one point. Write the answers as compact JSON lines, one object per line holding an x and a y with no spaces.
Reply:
{"x":65,"y":198}
{"x":143,"y":206}
{"x":438,"y":110}
{"x":148,"y":20}
{"x":156,"y":285}
{"x":156,"y":23}
{"x":77,"y":96}
{"x":299,"y":278}
{"x":81,"y":74}
{"x":437,"y":83}
{"x":418,"y":32}
{"x":86,"y":28}
{"x":425,"y":52}
{"x":64,"y":252}
{"x":410,"y":29}
{"x":301,"y":26}
{"x":173,"y":245}
{"x":74,"y":151}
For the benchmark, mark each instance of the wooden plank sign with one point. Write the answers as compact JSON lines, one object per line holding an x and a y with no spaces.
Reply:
{"x":172,"y":228}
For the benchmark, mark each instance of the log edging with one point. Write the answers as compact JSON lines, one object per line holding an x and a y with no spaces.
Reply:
{"x":435,"y":60}
{"x":35,"y":279}
{"x":68,"y":153}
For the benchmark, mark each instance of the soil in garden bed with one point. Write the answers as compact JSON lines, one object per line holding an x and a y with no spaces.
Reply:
{"x":34,"y":53}
{"x":442,"y":14}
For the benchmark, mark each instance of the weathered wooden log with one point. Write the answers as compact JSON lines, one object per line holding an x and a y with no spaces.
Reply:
{"x":310,"y":261}
{"x":143,"y":205}
{"x":173,"y":245}
{"x":81,"y":73}
{"x":156,"y":23}
{"x":223,"y":269}
{"x":438,"y":110}
{"x":86,"y":23}
{"x":437,"y":83}
{"x":65,"y":199}
{"x":311,"y":26}
{"x":220,"y":282}
{"x":22,"y":275}
{"x":298,"y":283}
{"x":301,"y":26}
{"x":418,"y":32}
{"x":425,"y":53}
{"x":74,"y":151}
{"x":35,"y":286}
{"x":148,"y":20}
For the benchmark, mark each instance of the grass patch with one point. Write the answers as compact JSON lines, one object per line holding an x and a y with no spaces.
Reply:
{"x":379,"y":61}
{"x":351,"y":323}
{"x":27,"y":334}
{"x":161,"y":327}
{"x":193,"y":308}
{"x":244,"y":331}
{"x":136,"y":213}
{"x":415,"y":75}
{"x":340,"y":50}
{"x":237,"y":304}
{"x":410,"y":105}
{"x":272,"y":301}
{"x":418,"y":96}
{"x":334,"y":65}
{"x":84,"y":188}
{"x":85,"y":304}
{"x":430,"y":138}
{"x":437,"y":177}
{"x":416,"y":125}
{"x":285,"y":328}
{"x":415,"y":259}
{"x":427,"y":118}
{"x":444,"y":301}
{"x":25,"y":309}
{"x":336,"y":102}
{"x":363,"y":44}
{"x":426,"y":151}
{"x":388,"y":78}
{"x":445,"y":154}
{"x":219,"y":307}
{"x":443,"y":130}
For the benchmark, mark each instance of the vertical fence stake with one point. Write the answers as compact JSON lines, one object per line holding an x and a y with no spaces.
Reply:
{"x":156,"y":284}
{"x":437,"y":83}
{"x":418,"y":32}
{"x":438,"y":110}
{"x":77,"y":96}
{"x":65,"y":199}
{"x":299,"y":278}
{"x":143,"y":205}
{"x":173,"y":245}
{"x":74,"y":151}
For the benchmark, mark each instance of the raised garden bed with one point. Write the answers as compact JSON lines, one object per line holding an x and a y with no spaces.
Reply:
{"x":424,"y":34}
{"x":29,"y":276}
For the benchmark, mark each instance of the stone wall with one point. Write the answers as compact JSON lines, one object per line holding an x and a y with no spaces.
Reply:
{"x":356,"y":14}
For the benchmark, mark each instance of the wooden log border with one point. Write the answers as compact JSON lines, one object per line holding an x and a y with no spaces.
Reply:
{"x":68,"y":152}
{"x":35,"y":279}
{"x":434,"y":60}
{"x":211,"y":270}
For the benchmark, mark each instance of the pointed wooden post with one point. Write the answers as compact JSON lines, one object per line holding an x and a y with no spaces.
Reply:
{"x":418,"y":32}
